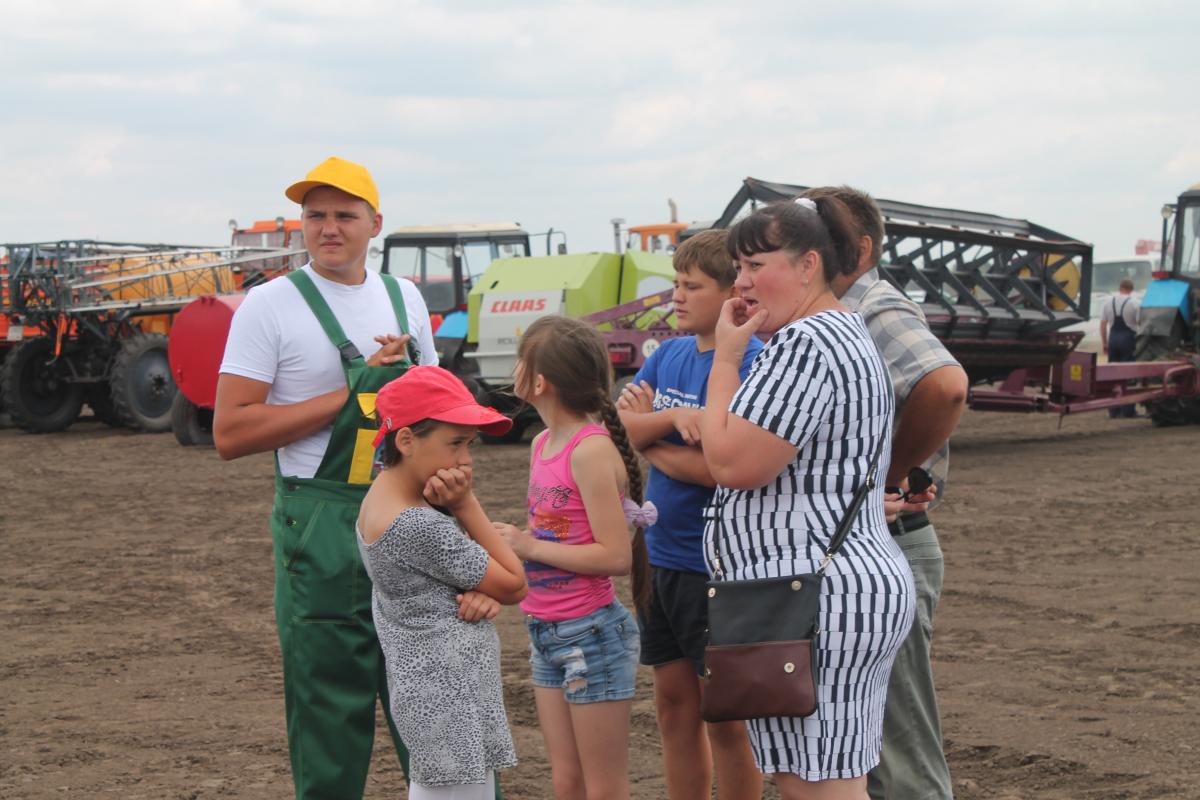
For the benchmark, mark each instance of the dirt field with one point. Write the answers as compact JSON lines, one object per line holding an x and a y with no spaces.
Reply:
{"x":139,"y":657}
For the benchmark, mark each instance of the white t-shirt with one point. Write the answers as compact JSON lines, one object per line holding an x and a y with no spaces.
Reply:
{"x":1127,"y":304}
{"x":275,"y":338}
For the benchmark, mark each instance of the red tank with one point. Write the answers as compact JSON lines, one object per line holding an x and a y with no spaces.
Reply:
{"x":197,"y":345}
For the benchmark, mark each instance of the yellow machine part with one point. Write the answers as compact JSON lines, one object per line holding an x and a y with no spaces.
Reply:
{"x":158,"y":323}
{"x":1067,"y":276}
{"x":190,"y":276}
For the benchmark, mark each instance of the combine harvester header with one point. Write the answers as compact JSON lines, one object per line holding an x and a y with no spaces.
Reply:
{"x":996,"y":290}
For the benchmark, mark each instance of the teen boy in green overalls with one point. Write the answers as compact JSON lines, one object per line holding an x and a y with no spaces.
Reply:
{"x":295,"y":380}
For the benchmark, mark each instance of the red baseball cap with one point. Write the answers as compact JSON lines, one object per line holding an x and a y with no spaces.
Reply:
{"x":433,"y":393}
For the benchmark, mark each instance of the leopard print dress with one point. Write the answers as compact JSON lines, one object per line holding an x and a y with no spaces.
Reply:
{"x":443,"y":674}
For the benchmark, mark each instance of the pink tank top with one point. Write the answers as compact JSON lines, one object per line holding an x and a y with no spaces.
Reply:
{"x":556,"y":513}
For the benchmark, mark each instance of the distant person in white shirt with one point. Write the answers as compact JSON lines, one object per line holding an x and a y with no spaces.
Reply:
{"x":1118,"y":333}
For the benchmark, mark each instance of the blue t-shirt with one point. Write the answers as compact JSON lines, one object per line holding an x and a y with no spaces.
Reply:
{"x":678,"y":373}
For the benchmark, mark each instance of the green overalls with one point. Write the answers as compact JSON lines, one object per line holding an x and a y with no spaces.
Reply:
{"x":333,"y":668}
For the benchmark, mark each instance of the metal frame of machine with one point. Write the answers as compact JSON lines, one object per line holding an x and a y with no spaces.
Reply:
{"x":103,"y":310}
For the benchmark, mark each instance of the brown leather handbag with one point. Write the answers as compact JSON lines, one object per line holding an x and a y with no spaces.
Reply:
{"x":761,"y":657}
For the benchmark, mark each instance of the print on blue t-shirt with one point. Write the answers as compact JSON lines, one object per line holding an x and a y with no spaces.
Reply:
{"x":678,"y":373}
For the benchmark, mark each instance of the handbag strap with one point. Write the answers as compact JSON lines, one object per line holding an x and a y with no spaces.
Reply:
{"x":843,"y":528}
{"x":860,"y":496}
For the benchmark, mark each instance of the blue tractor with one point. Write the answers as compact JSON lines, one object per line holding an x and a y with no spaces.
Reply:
{"x":1170,"y":321}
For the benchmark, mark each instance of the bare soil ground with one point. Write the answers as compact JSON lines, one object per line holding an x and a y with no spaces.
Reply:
{"x":139,"y":657}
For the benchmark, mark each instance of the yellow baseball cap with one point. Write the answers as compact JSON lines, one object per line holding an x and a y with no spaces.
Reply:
{"x":341,"y":174}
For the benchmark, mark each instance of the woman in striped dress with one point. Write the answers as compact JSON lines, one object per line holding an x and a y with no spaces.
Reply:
{"x":788,"y":447}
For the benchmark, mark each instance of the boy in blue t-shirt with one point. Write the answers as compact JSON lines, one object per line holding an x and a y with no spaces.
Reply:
{"x":661,"y":410}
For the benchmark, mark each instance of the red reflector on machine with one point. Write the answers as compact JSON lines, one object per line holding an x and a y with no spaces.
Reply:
{"x":620,"y":354}
{"x":1160,"y":276}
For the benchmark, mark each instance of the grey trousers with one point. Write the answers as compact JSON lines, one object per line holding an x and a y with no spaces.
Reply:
{"x":913,"y":764}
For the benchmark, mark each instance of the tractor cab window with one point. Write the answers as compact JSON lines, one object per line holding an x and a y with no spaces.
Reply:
{"x":476,"y":257}
{"x":1189,"y":231}
{"x":430,"y":268}
{"x":420,"y":264}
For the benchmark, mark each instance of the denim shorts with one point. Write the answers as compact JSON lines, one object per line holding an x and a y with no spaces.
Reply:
{"x":591,"y":658}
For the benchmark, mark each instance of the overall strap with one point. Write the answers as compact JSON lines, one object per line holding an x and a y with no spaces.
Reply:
{"x":393,"y":290}
{"x":351,"y":357}
{"x":397,"y":298}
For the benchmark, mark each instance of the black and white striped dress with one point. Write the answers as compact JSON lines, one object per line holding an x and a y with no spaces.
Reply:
{"x":820,"y":384}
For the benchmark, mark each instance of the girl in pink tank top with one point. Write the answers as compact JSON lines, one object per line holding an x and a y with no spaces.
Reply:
{"x":583,"y":642}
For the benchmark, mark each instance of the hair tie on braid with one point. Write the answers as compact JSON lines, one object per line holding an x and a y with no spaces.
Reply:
{"x":642,"y":516}
{"x":807,"y":202}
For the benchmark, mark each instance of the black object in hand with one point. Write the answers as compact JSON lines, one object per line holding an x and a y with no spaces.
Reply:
{"x":919,"y":481}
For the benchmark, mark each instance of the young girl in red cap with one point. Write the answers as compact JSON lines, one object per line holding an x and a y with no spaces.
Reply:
{"x":432,"y":584}
{"x":583,"y":472}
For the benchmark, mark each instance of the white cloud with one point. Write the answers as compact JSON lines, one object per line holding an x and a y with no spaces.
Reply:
{"x":161,"y":120}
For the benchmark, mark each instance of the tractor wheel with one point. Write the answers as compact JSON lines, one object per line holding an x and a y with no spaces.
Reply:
{"x":5,"y":419}
{"x":507,"y":404}
{"x":142,"y":386}
{"x":99,"y":399}
{"x":1172,"y":411}
{"x":191,"y":424}
{"x":1169,"y":411}
{"x":619,"y":385}
{"x":36,"y":391}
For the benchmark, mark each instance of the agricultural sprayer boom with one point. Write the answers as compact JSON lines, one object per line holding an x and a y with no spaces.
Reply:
{"x":103,"y":310}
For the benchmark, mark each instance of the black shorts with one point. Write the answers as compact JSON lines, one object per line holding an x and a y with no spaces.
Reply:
{"x":676,"y":624}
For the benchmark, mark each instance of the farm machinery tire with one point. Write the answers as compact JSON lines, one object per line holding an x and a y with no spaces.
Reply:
{"x":191,"y":424}
{"x":5,"y":419}
{"x":99,"y":399}
{"x":507,"y":404}
{"x":619,"y":384}
{"x":514,"y":435}
{"x":38,"y":395}
{"x":141,"y":383}
{"x":1169,"y":411}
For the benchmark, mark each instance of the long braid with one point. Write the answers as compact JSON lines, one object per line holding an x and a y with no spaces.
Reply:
{"x":640,"y":572}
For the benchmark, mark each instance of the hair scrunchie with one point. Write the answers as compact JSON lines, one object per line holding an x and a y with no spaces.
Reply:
{"x":642,"y":516}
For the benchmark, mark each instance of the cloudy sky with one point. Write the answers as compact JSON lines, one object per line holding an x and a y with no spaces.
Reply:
{"x":161,"y":120}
